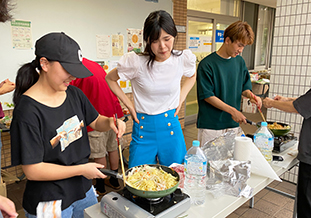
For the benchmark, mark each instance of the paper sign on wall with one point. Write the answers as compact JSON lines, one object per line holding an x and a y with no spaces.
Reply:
{"x":21,"y":34}
{"x":134,"y":40}
{"x":117,"y":45}
{"x":103,"y":46}
{"x":200,"y":43}
{"x":194,"y":43}
{"x":206,"y":44}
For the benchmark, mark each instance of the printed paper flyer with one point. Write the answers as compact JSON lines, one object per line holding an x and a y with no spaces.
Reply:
{"x":103,"y":46}
{"x":117,"y":45}
{"x":134,"y":40}
{"x":21,"y":34}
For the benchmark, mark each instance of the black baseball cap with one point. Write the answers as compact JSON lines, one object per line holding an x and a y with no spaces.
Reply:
{"x":60,"y":47}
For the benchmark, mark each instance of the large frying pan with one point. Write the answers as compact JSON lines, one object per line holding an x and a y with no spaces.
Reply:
{"x":276,"y":132}
{"x":142,"y":193}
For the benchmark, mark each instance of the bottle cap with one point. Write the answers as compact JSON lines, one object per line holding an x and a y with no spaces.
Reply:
{"x":196,"y":143}
{"x":264,"y":124}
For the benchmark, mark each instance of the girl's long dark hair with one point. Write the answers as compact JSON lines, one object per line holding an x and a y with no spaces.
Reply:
{"x":156,"y":21}
{"x":26,"y":77}
{"x":5,"y":9}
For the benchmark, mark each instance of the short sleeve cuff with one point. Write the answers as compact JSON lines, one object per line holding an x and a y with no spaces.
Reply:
{"x":189,"y":63}
{"x":128,"y":66}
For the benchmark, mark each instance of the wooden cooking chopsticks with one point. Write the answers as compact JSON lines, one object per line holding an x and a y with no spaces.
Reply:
{"x":259,"y":109}
{"x":120,"y":150}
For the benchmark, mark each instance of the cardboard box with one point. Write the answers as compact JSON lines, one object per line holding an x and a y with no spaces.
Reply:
{"x":248,"y":106}
{"x":2,"y":188}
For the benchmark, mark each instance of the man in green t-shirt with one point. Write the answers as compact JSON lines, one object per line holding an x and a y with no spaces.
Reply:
{"x":221,"y":80}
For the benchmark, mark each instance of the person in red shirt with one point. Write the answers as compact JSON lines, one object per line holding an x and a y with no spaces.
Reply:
{"x":106,"y":103}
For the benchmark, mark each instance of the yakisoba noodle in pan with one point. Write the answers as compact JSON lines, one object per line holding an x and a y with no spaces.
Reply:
{"x":149,"y":178}
{"x":275,"y":125}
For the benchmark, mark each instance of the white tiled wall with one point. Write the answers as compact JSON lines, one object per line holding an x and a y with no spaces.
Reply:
{"x":291,"y":56}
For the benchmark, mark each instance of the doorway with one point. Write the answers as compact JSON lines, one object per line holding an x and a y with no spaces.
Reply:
{"x":199,"y":41}
{"x":204,"y":36}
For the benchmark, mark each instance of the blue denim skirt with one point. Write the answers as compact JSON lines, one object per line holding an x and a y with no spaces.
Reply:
{"x":157,"y":139}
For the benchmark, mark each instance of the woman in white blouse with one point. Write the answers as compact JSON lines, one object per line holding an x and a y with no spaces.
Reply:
{"x":155,"y":76}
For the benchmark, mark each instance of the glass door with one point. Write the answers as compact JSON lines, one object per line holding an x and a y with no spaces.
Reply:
{"x":199,"y":41}
{"x":219,"y":35}
{"x":204,"y":36}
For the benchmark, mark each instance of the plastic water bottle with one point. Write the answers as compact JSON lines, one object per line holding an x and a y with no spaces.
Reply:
{"x":264,"y":140}
{"x":195,"y":173}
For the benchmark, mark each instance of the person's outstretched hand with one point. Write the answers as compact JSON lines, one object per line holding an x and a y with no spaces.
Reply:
{"x":6,"y":86}
{"x":7,"y":208}
{"x":280,"y":98}
{"x":267,"y":102}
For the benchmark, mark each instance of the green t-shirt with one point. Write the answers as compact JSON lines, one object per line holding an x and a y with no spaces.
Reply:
{"x":225,"y":79}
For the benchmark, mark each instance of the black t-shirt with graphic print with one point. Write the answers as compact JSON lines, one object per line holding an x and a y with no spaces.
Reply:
{"x":303,"y":106}
{"x":35,"y":127}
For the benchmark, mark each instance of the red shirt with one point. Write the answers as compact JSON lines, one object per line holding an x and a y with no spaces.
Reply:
{"x":98,"y":92}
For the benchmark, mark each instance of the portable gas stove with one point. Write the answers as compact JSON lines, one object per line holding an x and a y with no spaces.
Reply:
{"x":281,"y":143}
{"x":125,"y":204}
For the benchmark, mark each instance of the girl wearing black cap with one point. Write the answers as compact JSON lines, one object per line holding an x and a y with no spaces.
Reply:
{"x":48,"y":131}
{"x":155,"y":77}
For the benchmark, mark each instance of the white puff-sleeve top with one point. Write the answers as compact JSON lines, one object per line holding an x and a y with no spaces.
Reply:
{"x":156,"y":89}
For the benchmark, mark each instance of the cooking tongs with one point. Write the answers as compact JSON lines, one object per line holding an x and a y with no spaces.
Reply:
{"x":120,"y":149}
{"x":262,"y":116}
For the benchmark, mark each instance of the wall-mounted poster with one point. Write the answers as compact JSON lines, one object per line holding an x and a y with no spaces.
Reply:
{"x":134,"y":40}
{"x":117,"y":45}
{"x":194,"y":43}
{"x":103,"y":46}
{"x":199,"y":43}
{"x":206,"y":45}
{"x":21,"y":34}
